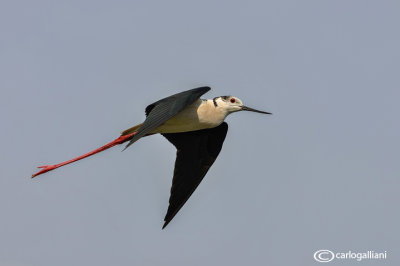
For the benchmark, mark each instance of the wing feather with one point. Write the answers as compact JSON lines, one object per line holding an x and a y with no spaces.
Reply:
{"x":196,"y":152}
{"x":159,"y":112}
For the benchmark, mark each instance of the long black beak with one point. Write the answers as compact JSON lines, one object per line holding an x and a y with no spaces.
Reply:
{"x":245,"y":108}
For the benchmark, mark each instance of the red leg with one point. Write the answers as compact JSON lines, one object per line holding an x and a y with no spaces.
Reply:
{"x":117,"y":141}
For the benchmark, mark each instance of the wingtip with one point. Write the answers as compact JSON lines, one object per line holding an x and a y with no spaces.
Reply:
{"x":165,"y":224}
{"x":127,"y":145}
{"x":130,"y":143}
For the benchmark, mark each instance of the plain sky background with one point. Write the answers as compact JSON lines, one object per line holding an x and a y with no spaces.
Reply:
{"x":321,"y":173}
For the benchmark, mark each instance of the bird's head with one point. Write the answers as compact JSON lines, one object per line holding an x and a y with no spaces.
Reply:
{"x":232,"y":104}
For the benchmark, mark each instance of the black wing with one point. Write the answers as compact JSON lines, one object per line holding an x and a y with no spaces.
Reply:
{"x":159,"y":112}
{"x":196,"y":152}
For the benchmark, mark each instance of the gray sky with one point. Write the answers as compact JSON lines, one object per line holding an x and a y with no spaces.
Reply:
{"x":321,"y":173}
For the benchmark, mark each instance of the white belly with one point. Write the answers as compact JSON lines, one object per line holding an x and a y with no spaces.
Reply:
{"x":199,"y":115}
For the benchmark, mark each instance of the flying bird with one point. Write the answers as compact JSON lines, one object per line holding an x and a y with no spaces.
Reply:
{"x":194,"y":126}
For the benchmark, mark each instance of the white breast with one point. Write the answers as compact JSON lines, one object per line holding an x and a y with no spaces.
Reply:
{"x":199,"y":115}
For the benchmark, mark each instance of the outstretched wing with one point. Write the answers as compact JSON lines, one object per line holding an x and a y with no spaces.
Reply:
{"x":159,"y":112}
{"x":196,"y":152}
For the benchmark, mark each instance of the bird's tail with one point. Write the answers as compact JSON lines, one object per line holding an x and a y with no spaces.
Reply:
{"x":131,"y":130}
{"x":125,"y":136}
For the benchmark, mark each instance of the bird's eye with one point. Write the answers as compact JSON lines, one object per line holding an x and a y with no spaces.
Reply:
{"x":233,"y":100}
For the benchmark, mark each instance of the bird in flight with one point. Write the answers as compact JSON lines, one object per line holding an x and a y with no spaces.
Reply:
{"x":194,"y":126}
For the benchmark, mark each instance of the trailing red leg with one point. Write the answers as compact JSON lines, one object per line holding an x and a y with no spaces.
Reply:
{"x":117,"y":141}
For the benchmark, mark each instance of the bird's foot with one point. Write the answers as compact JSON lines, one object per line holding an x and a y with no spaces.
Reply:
{"x":45,"y":168}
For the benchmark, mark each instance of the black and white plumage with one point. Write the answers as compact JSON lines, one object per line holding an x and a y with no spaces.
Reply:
{"x":194,"y":126}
